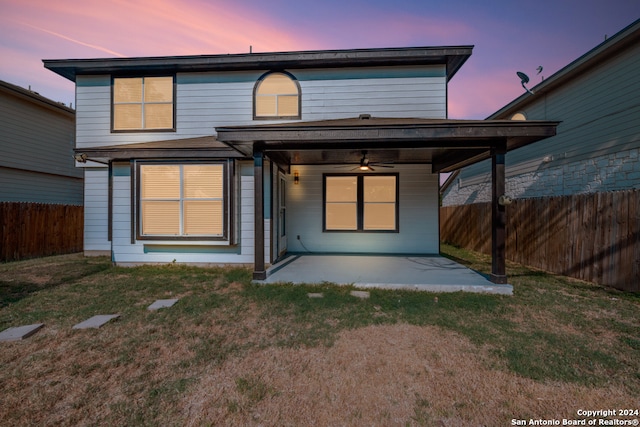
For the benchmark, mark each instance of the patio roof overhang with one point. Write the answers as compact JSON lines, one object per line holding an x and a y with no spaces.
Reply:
{"x":446,"y":144}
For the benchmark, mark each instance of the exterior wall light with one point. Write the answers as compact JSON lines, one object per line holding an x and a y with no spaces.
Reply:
{"x":296,"y":177}
{"x":505,"y":200}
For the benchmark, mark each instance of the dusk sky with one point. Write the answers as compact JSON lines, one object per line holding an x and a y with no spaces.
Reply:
{"x":508,"y":36}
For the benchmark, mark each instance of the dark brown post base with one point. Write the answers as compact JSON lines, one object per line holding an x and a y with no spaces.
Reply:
{"x":498,"y":279}
{"x":259,"y":275}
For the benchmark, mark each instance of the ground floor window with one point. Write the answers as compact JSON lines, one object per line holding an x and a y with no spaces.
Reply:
{"x":361,"y":202}
{"x":181,"y":200}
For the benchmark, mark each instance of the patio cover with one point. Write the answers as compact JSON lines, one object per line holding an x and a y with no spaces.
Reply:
{"x":445,"y":144}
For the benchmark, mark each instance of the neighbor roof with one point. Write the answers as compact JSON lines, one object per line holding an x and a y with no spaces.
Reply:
{"x":626,"y":38}
{"x":452,"y":56}
{"x":32,"y":96}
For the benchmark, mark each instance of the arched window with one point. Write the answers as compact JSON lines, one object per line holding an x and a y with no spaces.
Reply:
{"x":276,"y":95}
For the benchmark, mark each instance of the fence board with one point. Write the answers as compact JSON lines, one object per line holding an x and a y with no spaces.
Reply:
{"x":31,"y":230}
{"x":594,"y":237}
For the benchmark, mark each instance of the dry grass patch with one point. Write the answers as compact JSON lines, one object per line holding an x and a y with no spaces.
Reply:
{"x":380,"y":376}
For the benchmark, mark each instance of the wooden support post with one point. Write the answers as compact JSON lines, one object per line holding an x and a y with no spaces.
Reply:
{"x":498,"y":215}
{"x":259,"y":271}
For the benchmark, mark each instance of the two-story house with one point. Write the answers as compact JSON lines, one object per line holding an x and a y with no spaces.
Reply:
{"x":241,"y":159}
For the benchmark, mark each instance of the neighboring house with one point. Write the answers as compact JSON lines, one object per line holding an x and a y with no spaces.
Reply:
{"x":37,"y":139}
{"x":597,"y":146}
{"x":240,"y":159}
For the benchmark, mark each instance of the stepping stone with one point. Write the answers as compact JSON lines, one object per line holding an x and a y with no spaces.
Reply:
{"x":162,"y":303}
{"x":315,"y":295}
{"x":96,"y":321}
{"x":360,"y":294}
{"x":20,"y":332}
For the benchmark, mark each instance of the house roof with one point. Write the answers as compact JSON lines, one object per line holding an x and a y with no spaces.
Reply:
{"x":35,"y":97}
{"x":627,"y":37}
{"x":446,"y":144}
{"x":452,"y":56}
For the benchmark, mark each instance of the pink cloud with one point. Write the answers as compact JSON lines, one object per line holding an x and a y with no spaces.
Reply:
{"x":150,"y":27}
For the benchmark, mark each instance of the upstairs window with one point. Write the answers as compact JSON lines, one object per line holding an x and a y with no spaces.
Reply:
{"x":143,"y":103}
{"x":276,"y":96}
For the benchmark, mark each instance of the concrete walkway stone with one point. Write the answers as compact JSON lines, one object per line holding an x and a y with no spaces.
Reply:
{"x":20,"y":332}
{"x":360,"y":294}
{"x":96,"y":321}
{"x":162,"y":303}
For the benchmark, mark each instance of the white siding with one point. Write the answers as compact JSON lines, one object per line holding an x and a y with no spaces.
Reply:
{"x":192,"y":252}
{"x":418,"y":207}
{"x":207,"y":100}
{"x":96,"y":210}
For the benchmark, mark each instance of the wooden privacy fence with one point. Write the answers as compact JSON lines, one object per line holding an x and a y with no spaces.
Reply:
{"x":593,"y":237}
{"x":29,"y":230}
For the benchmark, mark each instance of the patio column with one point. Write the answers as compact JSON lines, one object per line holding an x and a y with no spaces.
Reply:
{"x":498,"y":215}
{"x":259,"y":271}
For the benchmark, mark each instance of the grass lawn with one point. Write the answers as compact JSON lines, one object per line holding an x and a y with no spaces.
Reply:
{"x":233,"y":353}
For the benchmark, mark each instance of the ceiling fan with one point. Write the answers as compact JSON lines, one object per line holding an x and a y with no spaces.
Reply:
{"x":366,"y":164}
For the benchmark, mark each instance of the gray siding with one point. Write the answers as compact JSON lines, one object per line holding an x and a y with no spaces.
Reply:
{"x":418,"y":203}
{"x":596,"y":147}
{"x":36,"y":148}
{"x":18,"y":185}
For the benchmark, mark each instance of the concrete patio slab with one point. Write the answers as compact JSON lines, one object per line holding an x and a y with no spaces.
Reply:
{"x":424,"y":273}
{"x":96,"y":321}
{"x":162,"y":303}
{"x":18,"y":333}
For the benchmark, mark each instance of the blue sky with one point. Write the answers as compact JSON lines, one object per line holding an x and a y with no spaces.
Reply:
{"x":508,"y":36}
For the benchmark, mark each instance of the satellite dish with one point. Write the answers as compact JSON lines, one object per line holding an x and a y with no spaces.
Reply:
{"x":524,"y":79}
